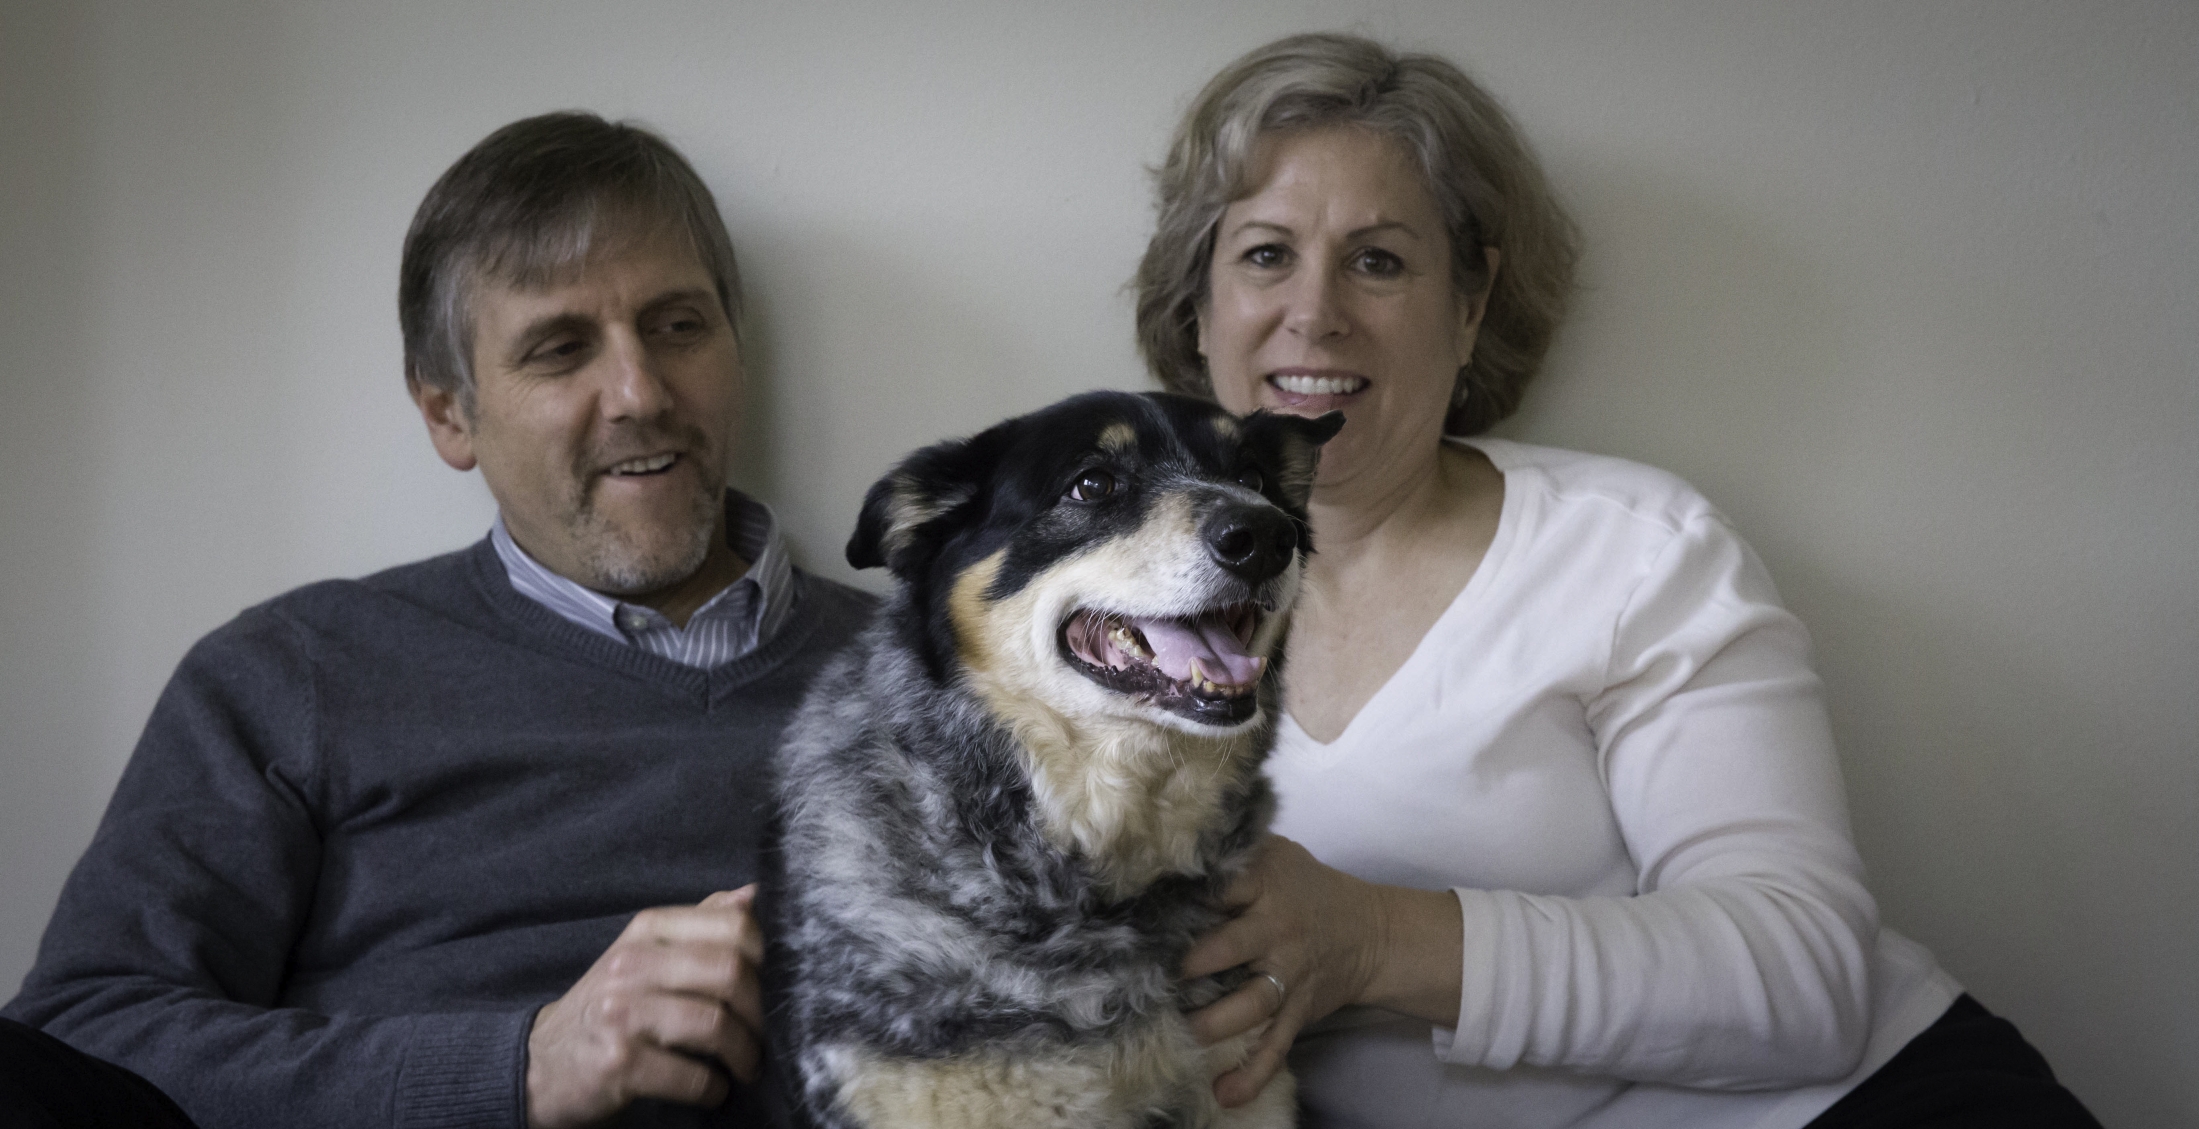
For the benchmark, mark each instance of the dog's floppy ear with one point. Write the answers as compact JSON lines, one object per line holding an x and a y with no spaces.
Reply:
{"x":910,"y":512}
{"x":1297,"y":447}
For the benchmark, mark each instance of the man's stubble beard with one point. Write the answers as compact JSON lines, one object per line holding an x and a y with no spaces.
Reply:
{"x":625,"y":566}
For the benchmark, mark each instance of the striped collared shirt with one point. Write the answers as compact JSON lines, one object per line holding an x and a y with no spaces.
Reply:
{"x":730,"y":625}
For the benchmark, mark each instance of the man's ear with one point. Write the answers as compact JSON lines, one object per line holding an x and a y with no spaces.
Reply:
{"x":909,"y":514}
{"x":450,"y":427}
{"x":1297,"y":443}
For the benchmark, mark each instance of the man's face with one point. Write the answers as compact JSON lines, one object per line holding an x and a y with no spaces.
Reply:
{"x":603,"y":416}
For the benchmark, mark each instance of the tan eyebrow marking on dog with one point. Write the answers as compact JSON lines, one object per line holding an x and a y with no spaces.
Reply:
{"x":1118,"y":437}
{"x":1224,"y":426}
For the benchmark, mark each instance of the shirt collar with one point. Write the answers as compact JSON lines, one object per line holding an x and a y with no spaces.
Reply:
{"x":763,"y":595}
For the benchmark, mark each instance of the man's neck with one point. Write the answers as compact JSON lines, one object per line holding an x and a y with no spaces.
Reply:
{"x":677,"y":602}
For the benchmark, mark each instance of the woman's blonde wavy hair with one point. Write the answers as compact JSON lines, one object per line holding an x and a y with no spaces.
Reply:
{"x":1476,"y":166}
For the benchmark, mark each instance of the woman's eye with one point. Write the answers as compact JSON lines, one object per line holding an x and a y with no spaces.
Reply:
{"x":1093,"y":485}
{"x":1268,"y":255}
{"x":1250,"y":479}
{"x":1377,"y":262}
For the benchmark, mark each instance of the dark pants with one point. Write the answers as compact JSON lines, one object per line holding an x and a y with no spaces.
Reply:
{"x":1969,"y":1069}
{"x":46,"y":1084}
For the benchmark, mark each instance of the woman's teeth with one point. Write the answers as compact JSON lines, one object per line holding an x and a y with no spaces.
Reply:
{"x":1318,"y":385}
{"x":650,"y":465}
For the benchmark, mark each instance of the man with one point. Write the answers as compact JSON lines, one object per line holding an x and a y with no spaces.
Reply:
{"x":378,"y":856}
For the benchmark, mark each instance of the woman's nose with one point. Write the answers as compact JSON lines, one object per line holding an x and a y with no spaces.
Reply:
{"x":1316,"y":310}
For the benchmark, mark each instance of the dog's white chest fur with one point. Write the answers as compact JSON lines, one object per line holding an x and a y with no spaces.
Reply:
{"x":1119,"y":1085}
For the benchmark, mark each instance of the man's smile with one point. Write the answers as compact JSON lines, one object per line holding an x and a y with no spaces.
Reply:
{"x":645,"y":465}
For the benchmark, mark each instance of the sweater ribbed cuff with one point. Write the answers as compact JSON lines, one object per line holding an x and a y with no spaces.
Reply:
{"x":465,"y":1071}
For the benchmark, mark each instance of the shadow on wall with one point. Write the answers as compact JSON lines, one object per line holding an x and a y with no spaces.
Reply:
{"x":2005,"y":814}
{"x":1707,"y":343}
{"x":1976,"y":620}
{"x":50,"y":692}
{"x":844,"y":340}
{"x":1703,"y":342}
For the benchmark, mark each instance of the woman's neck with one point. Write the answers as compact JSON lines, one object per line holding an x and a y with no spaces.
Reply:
{"x":1385,"y":566}
{"x":1356,"y":520}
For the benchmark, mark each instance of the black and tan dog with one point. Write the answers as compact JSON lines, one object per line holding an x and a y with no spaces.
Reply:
{"x":1011,"y":808}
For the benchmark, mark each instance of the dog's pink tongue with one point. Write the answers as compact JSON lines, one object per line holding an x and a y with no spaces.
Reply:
{"x":1176,"y":642}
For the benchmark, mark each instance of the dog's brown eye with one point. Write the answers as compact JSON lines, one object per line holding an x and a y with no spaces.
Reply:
{"x":1093,"y":485}
{"x":1250,"y":479}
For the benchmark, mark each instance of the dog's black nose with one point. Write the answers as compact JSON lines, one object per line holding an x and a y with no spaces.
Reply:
{"x":1254,"y":542}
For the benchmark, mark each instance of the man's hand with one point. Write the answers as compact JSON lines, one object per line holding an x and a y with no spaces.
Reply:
{"x":677,"y":990}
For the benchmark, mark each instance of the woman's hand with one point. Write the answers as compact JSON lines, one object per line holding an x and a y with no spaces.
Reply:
{"x":1316,"y":930}
{"x":1331,"y":940}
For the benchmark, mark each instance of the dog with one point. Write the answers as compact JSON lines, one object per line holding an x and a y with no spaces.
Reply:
{"x":1009,"y":809}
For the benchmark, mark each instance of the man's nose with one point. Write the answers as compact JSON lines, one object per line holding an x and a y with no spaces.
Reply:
{"x":634,"y":388}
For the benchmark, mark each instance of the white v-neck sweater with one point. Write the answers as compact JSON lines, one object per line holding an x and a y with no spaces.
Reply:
{"x":1613,"y":747}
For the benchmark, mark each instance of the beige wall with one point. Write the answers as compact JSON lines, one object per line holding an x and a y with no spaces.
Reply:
{"x":1907,"y":288}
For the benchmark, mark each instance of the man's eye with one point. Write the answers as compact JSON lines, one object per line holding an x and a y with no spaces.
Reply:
{"x":557,"y":352}
{"x":1093,"y":485}
{"x":681,"y":325}
{"x":1250,"y":479}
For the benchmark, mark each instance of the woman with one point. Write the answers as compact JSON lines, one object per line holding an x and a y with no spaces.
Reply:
{"x":1562,"y":839}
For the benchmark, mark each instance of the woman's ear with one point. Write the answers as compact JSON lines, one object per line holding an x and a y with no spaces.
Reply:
{"x":1475,"y":306}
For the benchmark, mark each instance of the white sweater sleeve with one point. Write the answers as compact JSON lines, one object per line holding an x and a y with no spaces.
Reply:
{"x":1742,"y":963}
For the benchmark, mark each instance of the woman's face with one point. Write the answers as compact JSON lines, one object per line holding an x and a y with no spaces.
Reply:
{"x":1331,"y":290}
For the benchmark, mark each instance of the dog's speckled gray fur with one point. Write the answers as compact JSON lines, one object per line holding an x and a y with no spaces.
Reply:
{"x":920,"y":911}
{"x":925,"y":907}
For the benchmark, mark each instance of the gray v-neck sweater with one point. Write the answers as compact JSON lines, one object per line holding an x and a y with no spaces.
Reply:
{"x":373,"y":825}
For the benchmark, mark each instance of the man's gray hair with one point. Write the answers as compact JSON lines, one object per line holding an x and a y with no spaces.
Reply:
{"x":525,"y":207}
{"x":1472,"y":160}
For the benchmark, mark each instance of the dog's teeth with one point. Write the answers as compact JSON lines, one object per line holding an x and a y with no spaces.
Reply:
{"x":1199,"y":679}
{"x":1126,"y":640}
